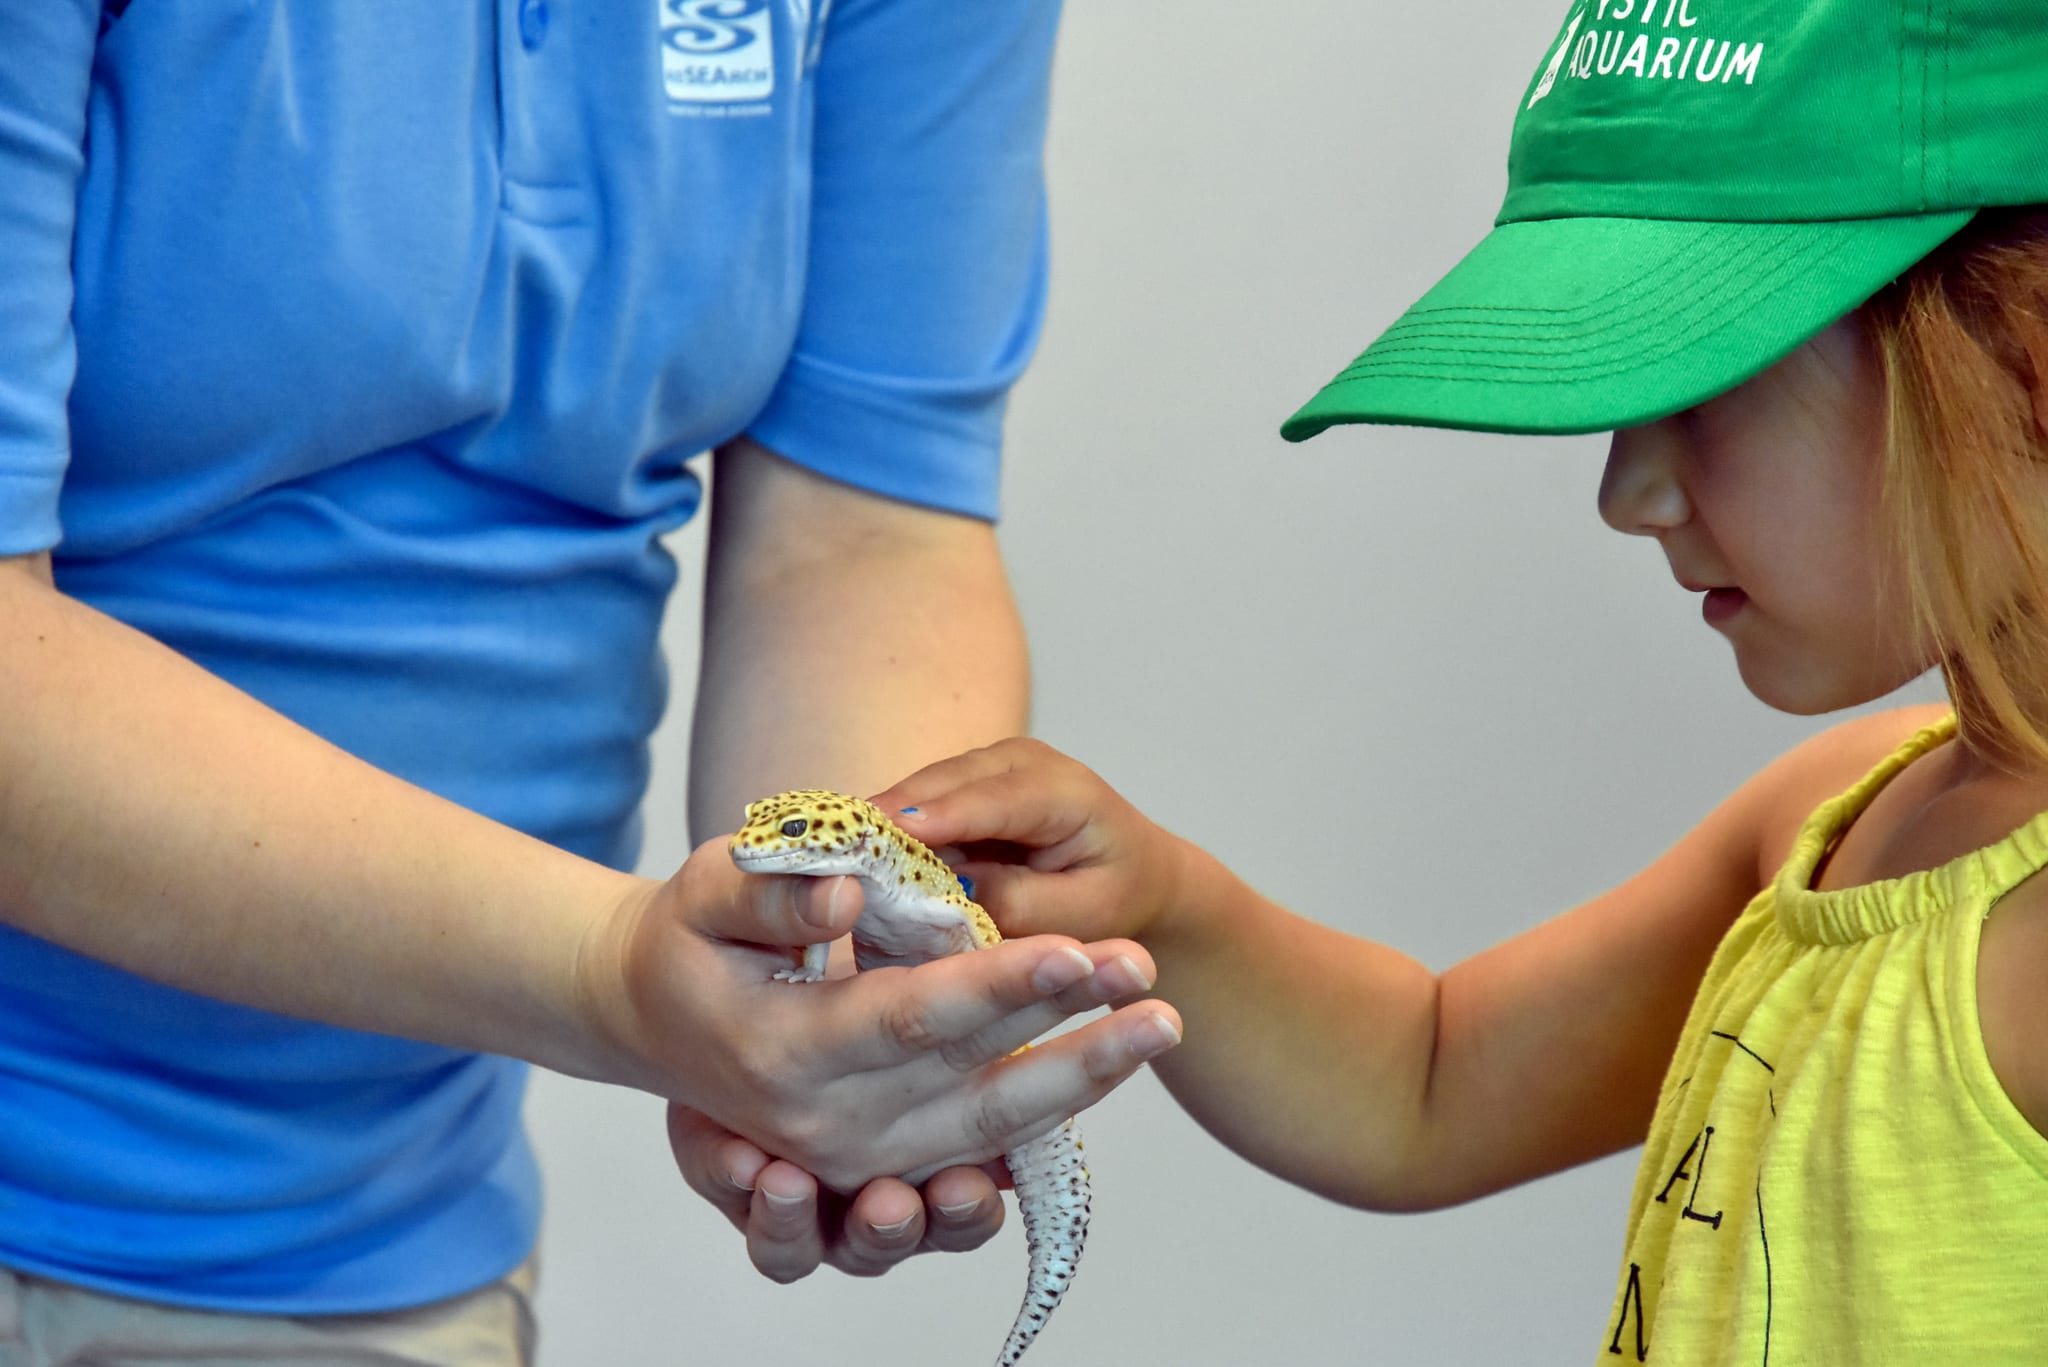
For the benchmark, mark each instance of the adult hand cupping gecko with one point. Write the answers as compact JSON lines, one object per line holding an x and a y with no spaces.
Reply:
{"x":1072,"y":853}
{"x":894,"y":1071}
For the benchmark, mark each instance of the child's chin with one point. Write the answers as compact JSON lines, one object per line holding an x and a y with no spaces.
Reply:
{"x":1803,"y":693}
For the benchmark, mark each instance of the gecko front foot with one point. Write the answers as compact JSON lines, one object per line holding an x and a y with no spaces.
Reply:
{"x":811,"y":970}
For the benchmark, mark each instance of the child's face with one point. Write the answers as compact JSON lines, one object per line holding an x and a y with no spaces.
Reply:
{"x":1766,"y":499}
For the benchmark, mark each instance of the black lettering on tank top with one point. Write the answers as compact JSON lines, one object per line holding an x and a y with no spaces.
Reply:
{"x":1631,"y":1309}
{"x":1691,"y":1169}
{"x":1702,"y":1144}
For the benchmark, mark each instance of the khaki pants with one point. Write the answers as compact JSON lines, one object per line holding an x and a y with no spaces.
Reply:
{"x":51,"y":1324}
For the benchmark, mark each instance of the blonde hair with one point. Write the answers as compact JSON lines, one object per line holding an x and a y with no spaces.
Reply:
{"x":1963,"y":341}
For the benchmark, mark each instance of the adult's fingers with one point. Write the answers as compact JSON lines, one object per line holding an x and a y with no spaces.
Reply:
{"x":717,"y":1164}
{"x":1123,"y":969}
{"x":774,"y":908}
{"x":885,"y":1223}
{"x":785,"y":1239}
{"x":963,"y":1209}
{"x":1043,"y":1086}
{"x":775,"y":1204}
{"x":889,"y":1017}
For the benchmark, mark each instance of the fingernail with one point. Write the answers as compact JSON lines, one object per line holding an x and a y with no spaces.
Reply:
{"x":1138,"y":975}
{"x":827,"y":916}
{"x":1161,"y":1034}
{"x":891,"y":1231}
{"x":738,"y":1183}
{"x":782,"y":1202}
{"x":958,"y":1214}
{"x":908,"y":811}
{"x":1062,"y":969}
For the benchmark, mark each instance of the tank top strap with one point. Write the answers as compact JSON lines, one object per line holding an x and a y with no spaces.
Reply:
{"x":1832,"y":818}
{"x":1844,"y":915}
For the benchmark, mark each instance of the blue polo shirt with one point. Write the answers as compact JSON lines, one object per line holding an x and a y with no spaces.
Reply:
{"x":354,"y":349}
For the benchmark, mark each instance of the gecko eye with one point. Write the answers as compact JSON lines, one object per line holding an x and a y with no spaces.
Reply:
{"x":795,"y":828}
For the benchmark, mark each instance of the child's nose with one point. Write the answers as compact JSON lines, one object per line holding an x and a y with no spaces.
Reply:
{"x":1639,"y":491}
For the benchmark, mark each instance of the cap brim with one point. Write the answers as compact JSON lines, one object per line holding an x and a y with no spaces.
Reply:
{"x":1591,"y":324}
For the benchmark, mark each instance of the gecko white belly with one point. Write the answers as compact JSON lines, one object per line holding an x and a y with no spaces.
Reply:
{"x":894,"y":929}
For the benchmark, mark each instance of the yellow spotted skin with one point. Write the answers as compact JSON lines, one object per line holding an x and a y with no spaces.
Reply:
{"x":914,"y":909}
{"x":832,"y":824}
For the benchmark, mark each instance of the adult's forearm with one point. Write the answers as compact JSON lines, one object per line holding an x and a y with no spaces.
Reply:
{"x":158,"y":819}
{"x":792,"y":710}
{"x":847,"y":640}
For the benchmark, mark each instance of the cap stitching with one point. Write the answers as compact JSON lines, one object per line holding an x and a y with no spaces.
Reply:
{"x":1920,"y":109}
{"x":1702,"y":327}
{"x":1590,"y":304}
{"x":1377,"y":355}
{"x":1926,"y":32}
{"x":1899,"y":47}
{"x":1649,"y":304}
{"x":1946,"y":144}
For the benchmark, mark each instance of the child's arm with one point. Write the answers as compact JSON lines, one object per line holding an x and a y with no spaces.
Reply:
{"x":1348,"y":1067}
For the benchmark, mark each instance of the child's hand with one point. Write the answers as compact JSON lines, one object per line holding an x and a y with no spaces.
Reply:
{"x":1049,"y":846}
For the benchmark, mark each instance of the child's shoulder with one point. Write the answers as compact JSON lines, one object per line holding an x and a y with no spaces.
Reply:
{"x":1824,"y":766}
{"x":1832,"y":761}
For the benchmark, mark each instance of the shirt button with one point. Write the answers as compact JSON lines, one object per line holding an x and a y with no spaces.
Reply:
{"x":533,"y":23}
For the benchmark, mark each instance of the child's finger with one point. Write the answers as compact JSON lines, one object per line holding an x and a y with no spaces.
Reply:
{"x":1020,"y":898}
{"x":942,"y":776}
{"x":1035,"y":807}
{"x":1089,"y":903}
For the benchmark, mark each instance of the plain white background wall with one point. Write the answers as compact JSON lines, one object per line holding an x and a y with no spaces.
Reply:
{"x":1404,"y":681}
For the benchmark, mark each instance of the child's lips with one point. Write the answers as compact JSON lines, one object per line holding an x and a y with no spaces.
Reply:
{"x":1722,"y":604}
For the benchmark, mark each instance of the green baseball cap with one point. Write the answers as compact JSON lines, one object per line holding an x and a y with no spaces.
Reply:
{"x":1695,"y":187}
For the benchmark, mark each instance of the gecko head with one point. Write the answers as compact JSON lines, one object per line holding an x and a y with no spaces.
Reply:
{"x":811,"y":830}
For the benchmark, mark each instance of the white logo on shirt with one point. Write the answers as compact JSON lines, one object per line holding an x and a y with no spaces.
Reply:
{"x":717,"y":55}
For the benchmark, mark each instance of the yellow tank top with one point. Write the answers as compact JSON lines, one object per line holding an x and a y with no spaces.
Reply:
{"x":1834,"y":1174}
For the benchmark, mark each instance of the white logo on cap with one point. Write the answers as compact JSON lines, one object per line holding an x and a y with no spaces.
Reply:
{"x":1556,"y":59}
{"x":1619,"y":42}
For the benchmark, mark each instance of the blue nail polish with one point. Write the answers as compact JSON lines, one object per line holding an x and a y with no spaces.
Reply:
{"x":966,"y":885}
{"x":910,"y":811}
